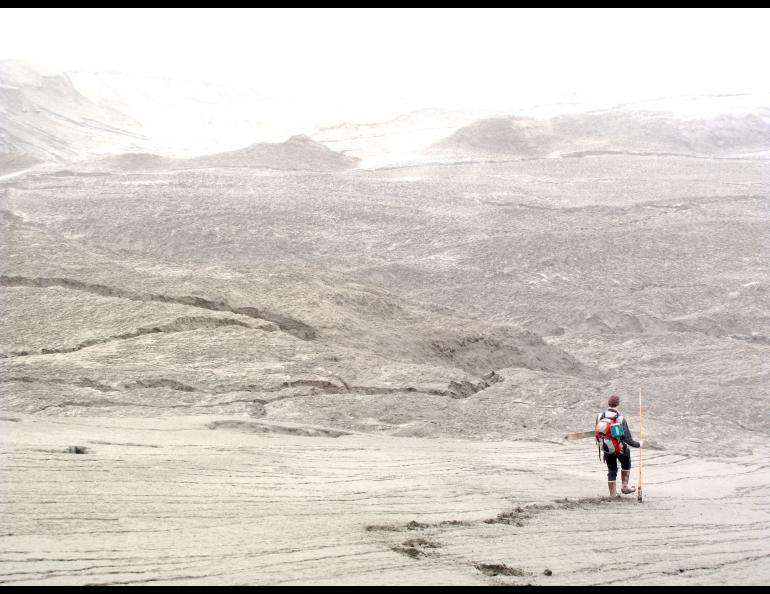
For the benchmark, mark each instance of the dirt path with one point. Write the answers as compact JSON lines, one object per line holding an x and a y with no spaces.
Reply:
{"x":172,"y":501}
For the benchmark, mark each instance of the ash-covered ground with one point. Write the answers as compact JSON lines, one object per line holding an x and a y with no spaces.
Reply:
{"x":273,"y":366}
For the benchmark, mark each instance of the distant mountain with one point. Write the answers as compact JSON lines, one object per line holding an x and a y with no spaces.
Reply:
{"x":47,"y":119}
{"x":297,"y":153}
{"x":57,"y":118}
{"x":400,"y":140}
{"x":127,"y":162}
{"x":503,"y":136}
{"x":610,"y":131}
{"x":641,"y":131}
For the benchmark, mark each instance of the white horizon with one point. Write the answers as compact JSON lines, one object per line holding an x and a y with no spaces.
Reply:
{"x":249,"y":75}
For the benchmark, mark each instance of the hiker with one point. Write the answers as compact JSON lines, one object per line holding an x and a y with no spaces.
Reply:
{"x":614,"y":437}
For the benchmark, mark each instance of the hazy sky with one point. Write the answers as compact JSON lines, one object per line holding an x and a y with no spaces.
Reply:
{"x":370,"y":63}
{"x":446,"y":53}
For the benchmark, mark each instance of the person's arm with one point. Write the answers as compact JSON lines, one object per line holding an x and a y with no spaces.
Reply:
{"x":627,"y":437}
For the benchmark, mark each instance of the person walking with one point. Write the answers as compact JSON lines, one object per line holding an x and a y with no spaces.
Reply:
{"x":614,"y":438}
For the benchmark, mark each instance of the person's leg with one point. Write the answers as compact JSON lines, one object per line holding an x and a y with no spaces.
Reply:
{"x":625,"y":472}
{"x":612,"y":473}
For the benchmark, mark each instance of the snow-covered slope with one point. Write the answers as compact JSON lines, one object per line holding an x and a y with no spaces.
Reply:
{"x":46,"y":118}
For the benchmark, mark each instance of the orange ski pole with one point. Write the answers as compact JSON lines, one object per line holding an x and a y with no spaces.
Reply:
{"x":641,"y":447}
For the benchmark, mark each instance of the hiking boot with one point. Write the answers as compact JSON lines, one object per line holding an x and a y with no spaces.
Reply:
{"x":625,"y":489}
{"x":613,"y":489}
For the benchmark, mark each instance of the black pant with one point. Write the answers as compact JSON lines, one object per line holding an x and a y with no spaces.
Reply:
{"x":612,"y":463}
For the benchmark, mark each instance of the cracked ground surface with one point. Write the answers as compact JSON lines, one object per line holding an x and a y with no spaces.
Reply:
{"x":367,"y":375}
{"x":182,"y":500}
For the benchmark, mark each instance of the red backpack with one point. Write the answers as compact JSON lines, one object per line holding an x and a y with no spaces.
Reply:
{"x":609,"y":432}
